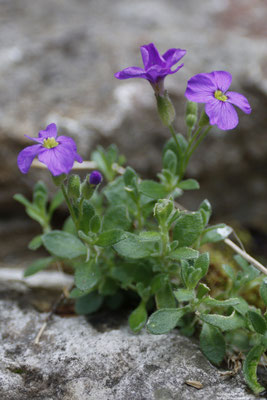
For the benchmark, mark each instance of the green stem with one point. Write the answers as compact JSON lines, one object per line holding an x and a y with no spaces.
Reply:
{"x":197,"y":143}
{"x":69,"y":206}
{"x":172,"y":130}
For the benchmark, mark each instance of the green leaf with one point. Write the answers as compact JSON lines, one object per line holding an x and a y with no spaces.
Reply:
{"x":138,"y":318}
{"x":216,"y":233}
{"x":89,"y":303}
{"x":22,"y":199}
{"x":56,"y":202}
{"x":184,"y":294}
{"x":170,"y":161}
{"x":164,"y":297}
{"x":247,"y":268}
{"x":40,"y":195}
{"x":234,"y":321}
{"x":202,"y":262}
{"x":257,"y":321}
{"x":35,"y":243}
{"x":76,"y":293}
{"x":38,"y":265}
{"x":250,"y":368}
{"x":69,"y":226}
{"x":171,"y":145}
{"x":189,"y":184}
{"x":188,"y":228}
{"x":164,"y":320}
{"x":95,"y":224}
{"x":108,"y":287}
{"x":153,"y":189}
{"x":149,"y":236}
{"x":230,"y":272}
{"x":86,"y":276}
{"x":88,"y":212}
{"x":116,"y":217}
{"x":209,"y":301}
{"x":202,"y":290}
{"x":111,"y":237}
{"x":263,"y":291}
{"x":242,"y":307}
{"x":133,"y":247}
{"x":183,"y":253}
{"x":63,"y":244}
{"x":212,"y":344}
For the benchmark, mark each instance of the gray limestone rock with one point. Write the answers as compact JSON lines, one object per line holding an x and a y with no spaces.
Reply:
{"x":99,"y":360}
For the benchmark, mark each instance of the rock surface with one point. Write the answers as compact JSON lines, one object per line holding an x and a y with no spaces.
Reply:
{"x":101,"y":360}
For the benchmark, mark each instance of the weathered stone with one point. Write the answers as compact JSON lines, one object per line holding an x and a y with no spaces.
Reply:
{"x":99,"y":360}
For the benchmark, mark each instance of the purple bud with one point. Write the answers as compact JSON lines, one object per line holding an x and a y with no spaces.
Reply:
{"x":95,"y":178}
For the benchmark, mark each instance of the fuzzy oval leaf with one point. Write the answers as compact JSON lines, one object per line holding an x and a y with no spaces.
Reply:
{"x":116,"y":218}
{"x":133,"y":247}
{"x":257,"y":321}
{"x":209,"y":301}
{"x":88,"y":303}
{"x":263,"y":291}
{"x":153,"y":189}
{"x":38,"y":265}
{"x":164,"y":320}
{"x":183,"y":253}
{"x":35,"y":243}
{"x":189,"y":184}
{"x":216,"y":233}
{"x":250,"y":368}
{"x":63,"y":244}
{"x":225,"y":323}
{"x":188,"y":228}
{"x":184,"y":294}
{"x":86,"y":276}
{"x":138,"y":317}
{"x":203,"y":262}
{"x":111,"y":237}
{"x":212,"y":344}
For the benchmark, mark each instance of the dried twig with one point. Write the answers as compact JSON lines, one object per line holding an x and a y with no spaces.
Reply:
{"x":52,"y":311}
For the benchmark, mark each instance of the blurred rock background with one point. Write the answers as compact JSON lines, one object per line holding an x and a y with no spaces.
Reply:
{"x":57,"y":60}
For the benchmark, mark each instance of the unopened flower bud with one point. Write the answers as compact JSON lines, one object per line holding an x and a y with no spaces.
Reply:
{"x":95,"y":178}
{"x":74,"y":184}
{"x":162,"y":210}
{"x":59,"y":179}
{"x":191,"y":120}
{"x":191,"y":108}
{"x":165,"y":109}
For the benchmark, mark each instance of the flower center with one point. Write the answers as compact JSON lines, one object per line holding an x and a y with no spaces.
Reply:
{"x":218,"y":94}
{"x":50,"y":143}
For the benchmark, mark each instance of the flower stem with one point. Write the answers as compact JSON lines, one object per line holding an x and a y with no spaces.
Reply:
{"x":180,"y":157}
{"x":69,"y":206}
{"x":197,"y":143}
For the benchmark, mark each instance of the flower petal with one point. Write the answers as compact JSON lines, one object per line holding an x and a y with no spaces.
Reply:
{"x":50,"y":131}
{"x":131,"y":72}
{"x":70,"y":143}
{"x":200,"y":88}
{"x":222,"y":114}
{"x":151,"y":56}
{"x":240,"y":101}
{"x":26,"y":156}
{"x":172,"y":56}
{"x":38,"y":140}
{"x":59,"y":160}
{"x":222,"y":79}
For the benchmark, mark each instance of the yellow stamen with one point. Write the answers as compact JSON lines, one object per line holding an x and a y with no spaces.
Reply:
{"x":218,"y":94}
{"x":50,"y":143}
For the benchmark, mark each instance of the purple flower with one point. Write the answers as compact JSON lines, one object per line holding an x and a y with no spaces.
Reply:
{"x":156,"y":66}
{"x":58,"y":153}
{"x":95,"y":178}
{"x":212,"y":89}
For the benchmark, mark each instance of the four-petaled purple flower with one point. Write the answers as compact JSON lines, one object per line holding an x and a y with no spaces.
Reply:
{"x":212,"y":89}
{"x":157,"y":66}
{"x":58,"y":153}
{"x":95,"y":178}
